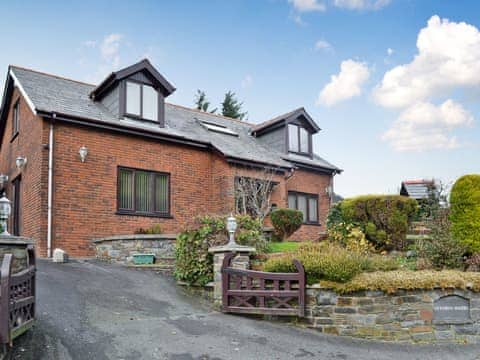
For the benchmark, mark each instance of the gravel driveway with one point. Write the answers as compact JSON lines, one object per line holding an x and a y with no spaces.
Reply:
{"x":90,"y":310}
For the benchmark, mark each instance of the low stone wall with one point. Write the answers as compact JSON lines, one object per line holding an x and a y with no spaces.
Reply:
{"x":121,"y":248}
{"x":17,"y":246}
{"x":418,"y":316}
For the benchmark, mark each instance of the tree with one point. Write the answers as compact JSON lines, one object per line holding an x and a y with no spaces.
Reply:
{"x":231,"y":107}
{"x":252,"y":195}
{"x":202,"y":103}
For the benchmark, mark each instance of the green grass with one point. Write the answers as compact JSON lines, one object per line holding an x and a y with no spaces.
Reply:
{"x":279,"y":247}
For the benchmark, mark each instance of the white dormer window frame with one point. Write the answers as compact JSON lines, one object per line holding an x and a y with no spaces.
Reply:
{"x":141,"y":101}
{"x":299,"y":140}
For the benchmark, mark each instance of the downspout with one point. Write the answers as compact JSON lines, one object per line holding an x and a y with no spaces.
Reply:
{"x":50,"y":188}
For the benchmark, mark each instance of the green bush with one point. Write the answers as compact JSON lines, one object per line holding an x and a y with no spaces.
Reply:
{"x":328,"y":261}
{"x":383,"y":218}
{"x":155,"y":229}
{"x":194,"y":265}
{"x":440,"y":248}
{"x":465,"y":211}
{"x":286,"y":222}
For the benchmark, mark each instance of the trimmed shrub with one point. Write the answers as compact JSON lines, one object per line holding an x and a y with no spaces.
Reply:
{"x":328,"y":261}
{"x":194,"y":265}
{"x":286,"y":222}
{"x":383,"y":218}
{"x":465,"y":211}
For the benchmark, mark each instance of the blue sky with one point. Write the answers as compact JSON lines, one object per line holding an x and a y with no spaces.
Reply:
{"x":393,"y":110}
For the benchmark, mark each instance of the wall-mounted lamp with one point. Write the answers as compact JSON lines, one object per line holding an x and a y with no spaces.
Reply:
{"x":329,"y":190}
{"x":83,"y":153}
{"x":21,"y":161}
{"x":3,"y":180}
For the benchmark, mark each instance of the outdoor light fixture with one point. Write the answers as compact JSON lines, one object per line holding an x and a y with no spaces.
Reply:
{"x":3,"y":180}
{"x":5,"y":211}
{"x":21,"y":161}
{"x":231,"y":227}
{"x":329,"y":190}
{"x":83,"y":153}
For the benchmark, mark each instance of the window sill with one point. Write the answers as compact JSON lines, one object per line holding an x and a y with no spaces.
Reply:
{"x":312,"y":223}
{"x":139,"y":118}
{"x":14,"y":136}
{"x":164,"y":216}
{"x":306,"y":154}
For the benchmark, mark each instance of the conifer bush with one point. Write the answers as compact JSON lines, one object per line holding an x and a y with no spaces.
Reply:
{"x":465,"y":211}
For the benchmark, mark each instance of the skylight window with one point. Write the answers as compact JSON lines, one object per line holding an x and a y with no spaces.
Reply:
{"x":218,"y":128}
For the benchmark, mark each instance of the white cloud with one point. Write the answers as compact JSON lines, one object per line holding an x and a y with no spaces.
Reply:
{"x":361,"y":4}
{"x":390,"y":51}
{"x":448,"y":60}
{"x":247,"y":81}
{"x":110,"y":48}
{"x":424,"y":126}
{"x":90,"y":43}
{"x":448,"y":57}
{"x":307,"y":5}
{"x":347,"y":84}
{"x":323,"y":45}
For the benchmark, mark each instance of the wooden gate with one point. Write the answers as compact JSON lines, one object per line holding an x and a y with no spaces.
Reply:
{"x":17,"y":298}
{"x":257,"y":292}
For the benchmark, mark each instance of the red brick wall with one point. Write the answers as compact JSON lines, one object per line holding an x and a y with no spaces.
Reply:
{"x":33,"y":132}
{"x":85,"y":200}
{"x":314,"y":183}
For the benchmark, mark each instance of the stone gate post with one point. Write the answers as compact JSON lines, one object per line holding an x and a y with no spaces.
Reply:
{"x":241,"y":261}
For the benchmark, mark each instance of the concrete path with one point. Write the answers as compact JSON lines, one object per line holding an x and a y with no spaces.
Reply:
{"x":89,"y":310}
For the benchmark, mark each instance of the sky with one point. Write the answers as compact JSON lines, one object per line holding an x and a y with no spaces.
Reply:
{"x":394,"y":84}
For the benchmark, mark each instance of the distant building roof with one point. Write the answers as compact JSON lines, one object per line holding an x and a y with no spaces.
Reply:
{"x":417,"y":189}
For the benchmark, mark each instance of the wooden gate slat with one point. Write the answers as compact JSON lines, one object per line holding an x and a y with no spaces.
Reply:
{"x":286,"y":295}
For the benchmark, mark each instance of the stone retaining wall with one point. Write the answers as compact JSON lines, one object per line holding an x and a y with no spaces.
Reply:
{"x":17,"y":246}
{"x":418,"y":316}
{"x":121,"y":248}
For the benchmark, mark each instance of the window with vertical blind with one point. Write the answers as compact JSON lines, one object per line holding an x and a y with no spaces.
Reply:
{"x":142,"y":192}
{"x":306,"y":203}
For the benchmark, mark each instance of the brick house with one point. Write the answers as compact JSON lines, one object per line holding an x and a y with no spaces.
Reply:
{"x":145,"y":161}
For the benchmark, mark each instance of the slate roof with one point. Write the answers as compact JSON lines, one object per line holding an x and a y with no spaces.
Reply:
{"x":50,"y":93}
{"x":417,"y":189}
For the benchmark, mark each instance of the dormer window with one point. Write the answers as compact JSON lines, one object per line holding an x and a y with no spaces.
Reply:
{"x":298,"y":139}
{"x":141,"y":101}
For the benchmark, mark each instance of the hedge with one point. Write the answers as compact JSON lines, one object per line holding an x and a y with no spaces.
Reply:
{"x":328,"y":261}
{"x":392,"y":281}
{"x":383,"y":218}
{"x":465,"y":211}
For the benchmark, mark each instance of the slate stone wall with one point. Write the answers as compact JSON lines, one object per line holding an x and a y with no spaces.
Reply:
{"x":120,"y":249}
{"x":402,"y":316}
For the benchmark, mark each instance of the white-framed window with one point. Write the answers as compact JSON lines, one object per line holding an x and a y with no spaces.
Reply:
{"x":298,"y":139}
{"x":141,"y":101}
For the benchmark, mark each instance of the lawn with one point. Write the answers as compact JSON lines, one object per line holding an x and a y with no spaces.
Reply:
{"x":279,"y":247}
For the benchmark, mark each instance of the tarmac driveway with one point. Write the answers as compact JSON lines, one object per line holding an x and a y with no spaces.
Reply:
{"x":90,"y":310}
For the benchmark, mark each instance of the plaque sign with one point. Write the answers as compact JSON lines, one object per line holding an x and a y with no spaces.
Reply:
{"x":451,"y":308}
